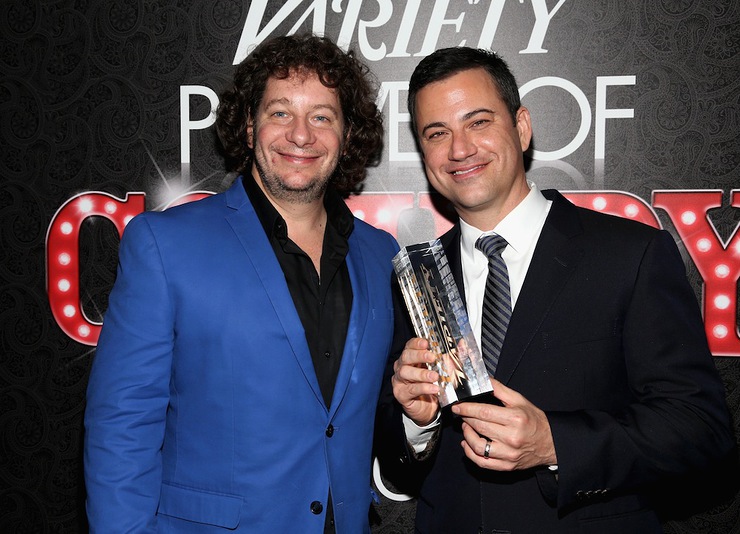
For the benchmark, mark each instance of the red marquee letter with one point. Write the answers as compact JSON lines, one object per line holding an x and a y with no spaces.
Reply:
{"x":717,"y":262}
{"x":619,"y":203}
{"x":63,"y":256}
{"x":381,"y":209}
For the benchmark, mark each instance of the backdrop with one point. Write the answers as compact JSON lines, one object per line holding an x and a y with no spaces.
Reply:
{"x":106,"y":111}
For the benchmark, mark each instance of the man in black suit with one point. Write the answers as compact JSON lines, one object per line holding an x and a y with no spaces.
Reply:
{"x":604,"y":384}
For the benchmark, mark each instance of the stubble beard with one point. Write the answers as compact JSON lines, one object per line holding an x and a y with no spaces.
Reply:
{"x":278,"y":189}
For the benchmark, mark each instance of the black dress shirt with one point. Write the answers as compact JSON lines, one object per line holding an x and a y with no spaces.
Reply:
{"x":323,"y":304}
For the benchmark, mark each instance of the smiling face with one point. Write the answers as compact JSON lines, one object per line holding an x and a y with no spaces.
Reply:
{"x":297,"y":137}
{"x":473,"y":153}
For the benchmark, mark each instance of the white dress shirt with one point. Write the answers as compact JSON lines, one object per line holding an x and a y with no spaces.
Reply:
{"x":521,"y":228}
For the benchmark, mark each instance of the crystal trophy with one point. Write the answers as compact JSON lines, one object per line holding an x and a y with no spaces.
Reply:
{"x":438,"y":315}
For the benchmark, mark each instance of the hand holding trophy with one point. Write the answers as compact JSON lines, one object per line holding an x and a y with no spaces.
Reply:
{"x":438,"y":314}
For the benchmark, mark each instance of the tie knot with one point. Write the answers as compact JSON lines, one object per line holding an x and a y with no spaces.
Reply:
{"x":491,"y":245}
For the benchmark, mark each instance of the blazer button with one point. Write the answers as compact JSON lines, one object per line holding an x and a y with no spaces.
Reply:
{"x":329,"y":431}
{"x":316,"y":507}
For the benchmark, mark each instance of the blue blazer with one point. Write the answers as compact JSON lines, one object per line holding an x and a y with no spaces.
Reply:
{"x":203,"y":409}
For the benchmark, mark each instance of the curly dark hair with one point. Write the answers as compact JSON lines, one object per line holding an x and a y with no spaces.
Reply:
{"x":281,"y":57}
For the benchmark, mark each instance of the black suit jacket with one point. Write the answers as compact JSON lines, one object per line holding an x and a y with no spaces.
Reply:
{"x":606,"y":338}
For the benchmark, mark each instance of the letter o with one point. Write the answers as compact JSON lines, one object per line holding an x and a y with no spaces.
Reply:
{"x":582,"y":101}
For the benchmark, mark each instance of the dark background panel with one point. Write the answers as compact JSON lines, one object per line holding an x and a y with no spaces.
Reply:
{"x":90,"y":101}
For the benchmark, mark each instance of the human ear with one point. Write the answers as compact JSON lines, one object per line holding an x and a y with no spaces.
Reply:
{"x":524,"y":127}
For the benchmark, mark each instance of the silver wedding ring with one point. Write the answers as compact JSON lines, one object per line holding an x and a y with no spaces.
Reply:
{"x":487,"y":450}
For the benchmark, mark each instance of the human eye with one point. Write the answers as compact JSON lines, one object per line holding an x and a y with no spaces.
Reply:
{"x":433,"y":135}
{"x":324,"y":118}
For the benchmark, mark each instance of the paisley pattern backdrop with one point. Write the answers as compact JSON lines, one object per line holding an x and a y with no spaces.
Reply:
{"x":636,"y":97}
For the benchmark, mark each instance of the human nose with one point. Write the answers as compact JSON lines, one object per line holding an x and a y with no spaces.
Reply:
{"x":300,"y":132}
{"x":461,"y":146}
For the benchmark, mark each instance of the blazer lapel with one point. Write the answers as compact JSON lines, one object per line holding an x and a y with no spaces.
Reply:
{"x":357,"y":319}
{"x":555,"y":258}
{"x":257,"y":248}
{"x":451,"y":244}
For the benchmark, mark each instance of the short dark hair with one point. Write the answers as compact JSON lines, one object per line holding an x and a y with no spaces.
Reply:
{"x":283,"y":56}
{"x":447,"y":62}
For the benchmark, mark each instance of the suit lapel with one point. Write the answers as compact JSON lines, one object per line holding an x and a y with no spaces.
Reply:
{"x":248,"y":230}
{"x":556,"y":255}
{"x":555,"y":258}
{"x":357,"y":320}
{"x":451,"y":244}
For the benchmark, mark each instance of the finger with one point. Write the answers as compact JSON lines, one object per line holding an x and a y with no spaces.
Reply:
{"x":478,"y":442}
{"x":413,"y":373}
{"x":403,"y":370}
{"x":505,"y":394}
{"x":477,"y":436}
{"x":417,"y":343}
{"x":412,"y":383}
{"x":405,"y":390}
{"x":494,"y":461}
{"x":483,"y":412}
{"x":478,"y":459}
{"x":417,"y":357}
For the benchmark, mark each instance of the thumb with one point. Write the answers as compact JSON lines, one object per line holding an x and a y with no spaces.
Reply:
{"x":505,"y":394}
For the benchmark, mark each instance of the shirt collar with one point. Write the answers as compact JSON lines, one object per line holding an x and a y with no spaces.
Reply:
{"x":337,"y":212}
{"x":519,"y":227}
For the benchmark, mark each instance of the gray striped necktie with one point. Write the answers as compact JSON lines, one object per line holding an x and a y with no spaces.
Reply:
{"x":496,"y":301}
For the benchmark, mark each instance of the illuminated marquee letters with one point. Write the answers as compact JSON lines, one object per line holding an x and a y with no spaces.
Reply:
{"x":717,"y":262}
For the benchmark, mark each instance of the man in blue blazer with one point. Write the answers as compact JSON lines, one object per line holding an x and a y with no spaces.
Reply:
{"x":236,"y":376}
{"x":604,"y":384}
